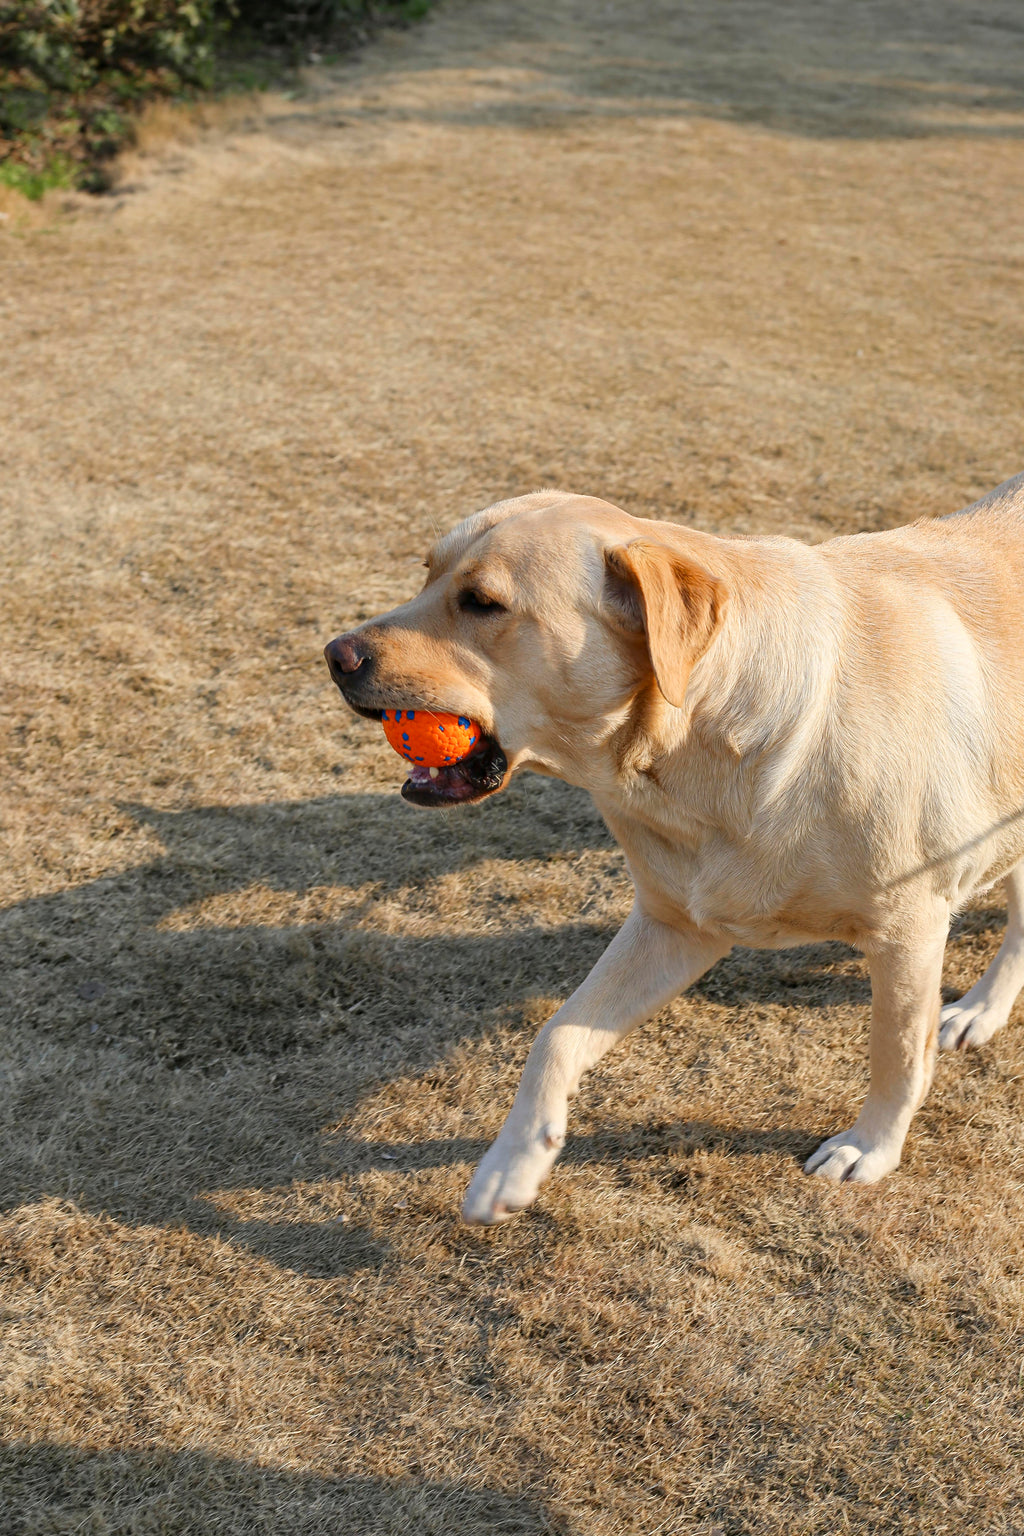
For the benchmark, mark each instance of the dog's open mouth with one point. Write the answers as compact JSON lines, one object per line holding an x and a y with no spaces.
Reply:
{"x":477,"y":775}
{"x":473,"y":777}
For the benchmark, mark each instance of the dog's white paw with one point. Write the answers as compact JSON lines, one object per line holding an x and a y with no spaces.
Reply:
{"x":971,"y":1021}
{"x":852,"y":1158}
{"x":510,"y":1175}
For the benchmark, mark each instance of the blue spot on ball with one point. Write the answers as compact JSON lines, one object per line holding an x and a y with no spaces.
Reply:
{"x":464,"y":722}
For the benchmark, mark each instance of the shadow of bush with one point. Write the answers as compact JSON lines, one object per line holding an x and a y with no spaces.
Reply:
{"x":819,"y":68}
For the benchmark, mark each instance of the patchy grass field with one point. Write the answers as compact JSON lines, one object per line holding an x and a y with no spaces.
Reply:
{"x":756,"y":267}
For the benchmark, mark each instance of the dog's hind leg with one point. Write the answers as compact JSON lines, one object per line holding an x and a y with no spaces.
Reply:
{"x":976,"y":1016}
{"x":644,"y":967}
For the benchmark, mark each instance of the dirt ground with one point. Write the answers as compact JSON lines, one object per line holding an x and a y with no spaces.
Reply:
{"x":754,"y":267}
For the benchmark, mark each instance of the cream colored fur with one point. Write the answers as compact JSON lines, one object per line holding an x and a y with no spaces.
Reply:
{"x":789,"y":743}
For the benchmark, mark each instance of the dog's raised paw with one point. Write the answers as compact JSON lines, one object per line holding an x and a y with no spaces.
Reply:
{"x":510,"y":1175}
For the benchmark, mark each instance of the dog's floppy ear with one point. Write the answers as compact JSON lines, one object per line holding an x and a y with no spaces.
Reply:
{"x":676,"y":604}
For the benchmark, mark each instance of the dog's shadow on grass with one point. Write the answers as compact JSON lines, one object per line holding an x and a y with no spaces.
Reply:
{"x":126,"y":958}
{"x":148,"y":1062}
{"x":57,"y":1488}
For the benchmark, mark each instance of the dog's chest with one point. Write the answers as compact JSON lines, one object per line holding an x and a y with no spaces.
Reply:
{"x":756,"y":892}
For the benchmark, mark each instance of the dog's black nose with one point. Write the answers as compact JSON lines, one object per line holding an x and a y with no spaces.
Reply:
{"x":345,"y":657}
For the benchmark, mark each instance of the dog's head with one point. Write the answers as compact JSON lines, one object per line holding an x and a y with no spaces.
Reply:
{"x":558,"y":622}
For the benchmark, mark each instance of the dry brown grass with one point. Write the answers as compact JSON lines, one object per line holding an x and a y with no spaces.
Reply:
{"x":164,"y":123}
{"x":757,"y":267}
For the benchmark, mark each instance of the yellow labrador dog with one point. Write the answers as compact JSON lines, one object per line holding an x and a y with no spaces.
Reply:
{"x":790,"y":744}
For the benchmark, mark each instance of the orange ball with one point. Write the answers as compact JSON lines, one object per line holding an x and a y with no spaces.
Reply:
{"x":425,"y":736}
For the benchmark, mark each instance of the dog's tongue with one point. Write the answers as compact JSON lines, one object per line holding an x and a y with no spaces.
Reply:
{"x":473,"y":777}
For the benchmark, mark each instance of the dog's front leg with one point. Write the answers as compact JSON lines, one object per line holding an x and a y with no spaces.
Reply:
{"x":644,"y":967}
{"x":905,"y":993}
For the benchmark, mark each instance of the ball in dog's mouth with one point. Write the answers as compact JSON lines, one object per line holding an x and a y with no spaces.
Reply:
{"x":475,"y":776}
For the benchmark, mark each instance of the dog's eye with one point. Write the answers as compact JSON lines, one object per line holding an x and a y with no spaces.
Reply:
{"x":475,"y":602}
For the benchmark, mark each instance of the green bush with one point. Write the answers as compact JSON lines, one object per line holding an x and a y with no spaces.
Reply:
{"x":72,"y":45}
{"x":71,"y":70}
{"x":292,"y":21}
{"x":59,"y":172}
